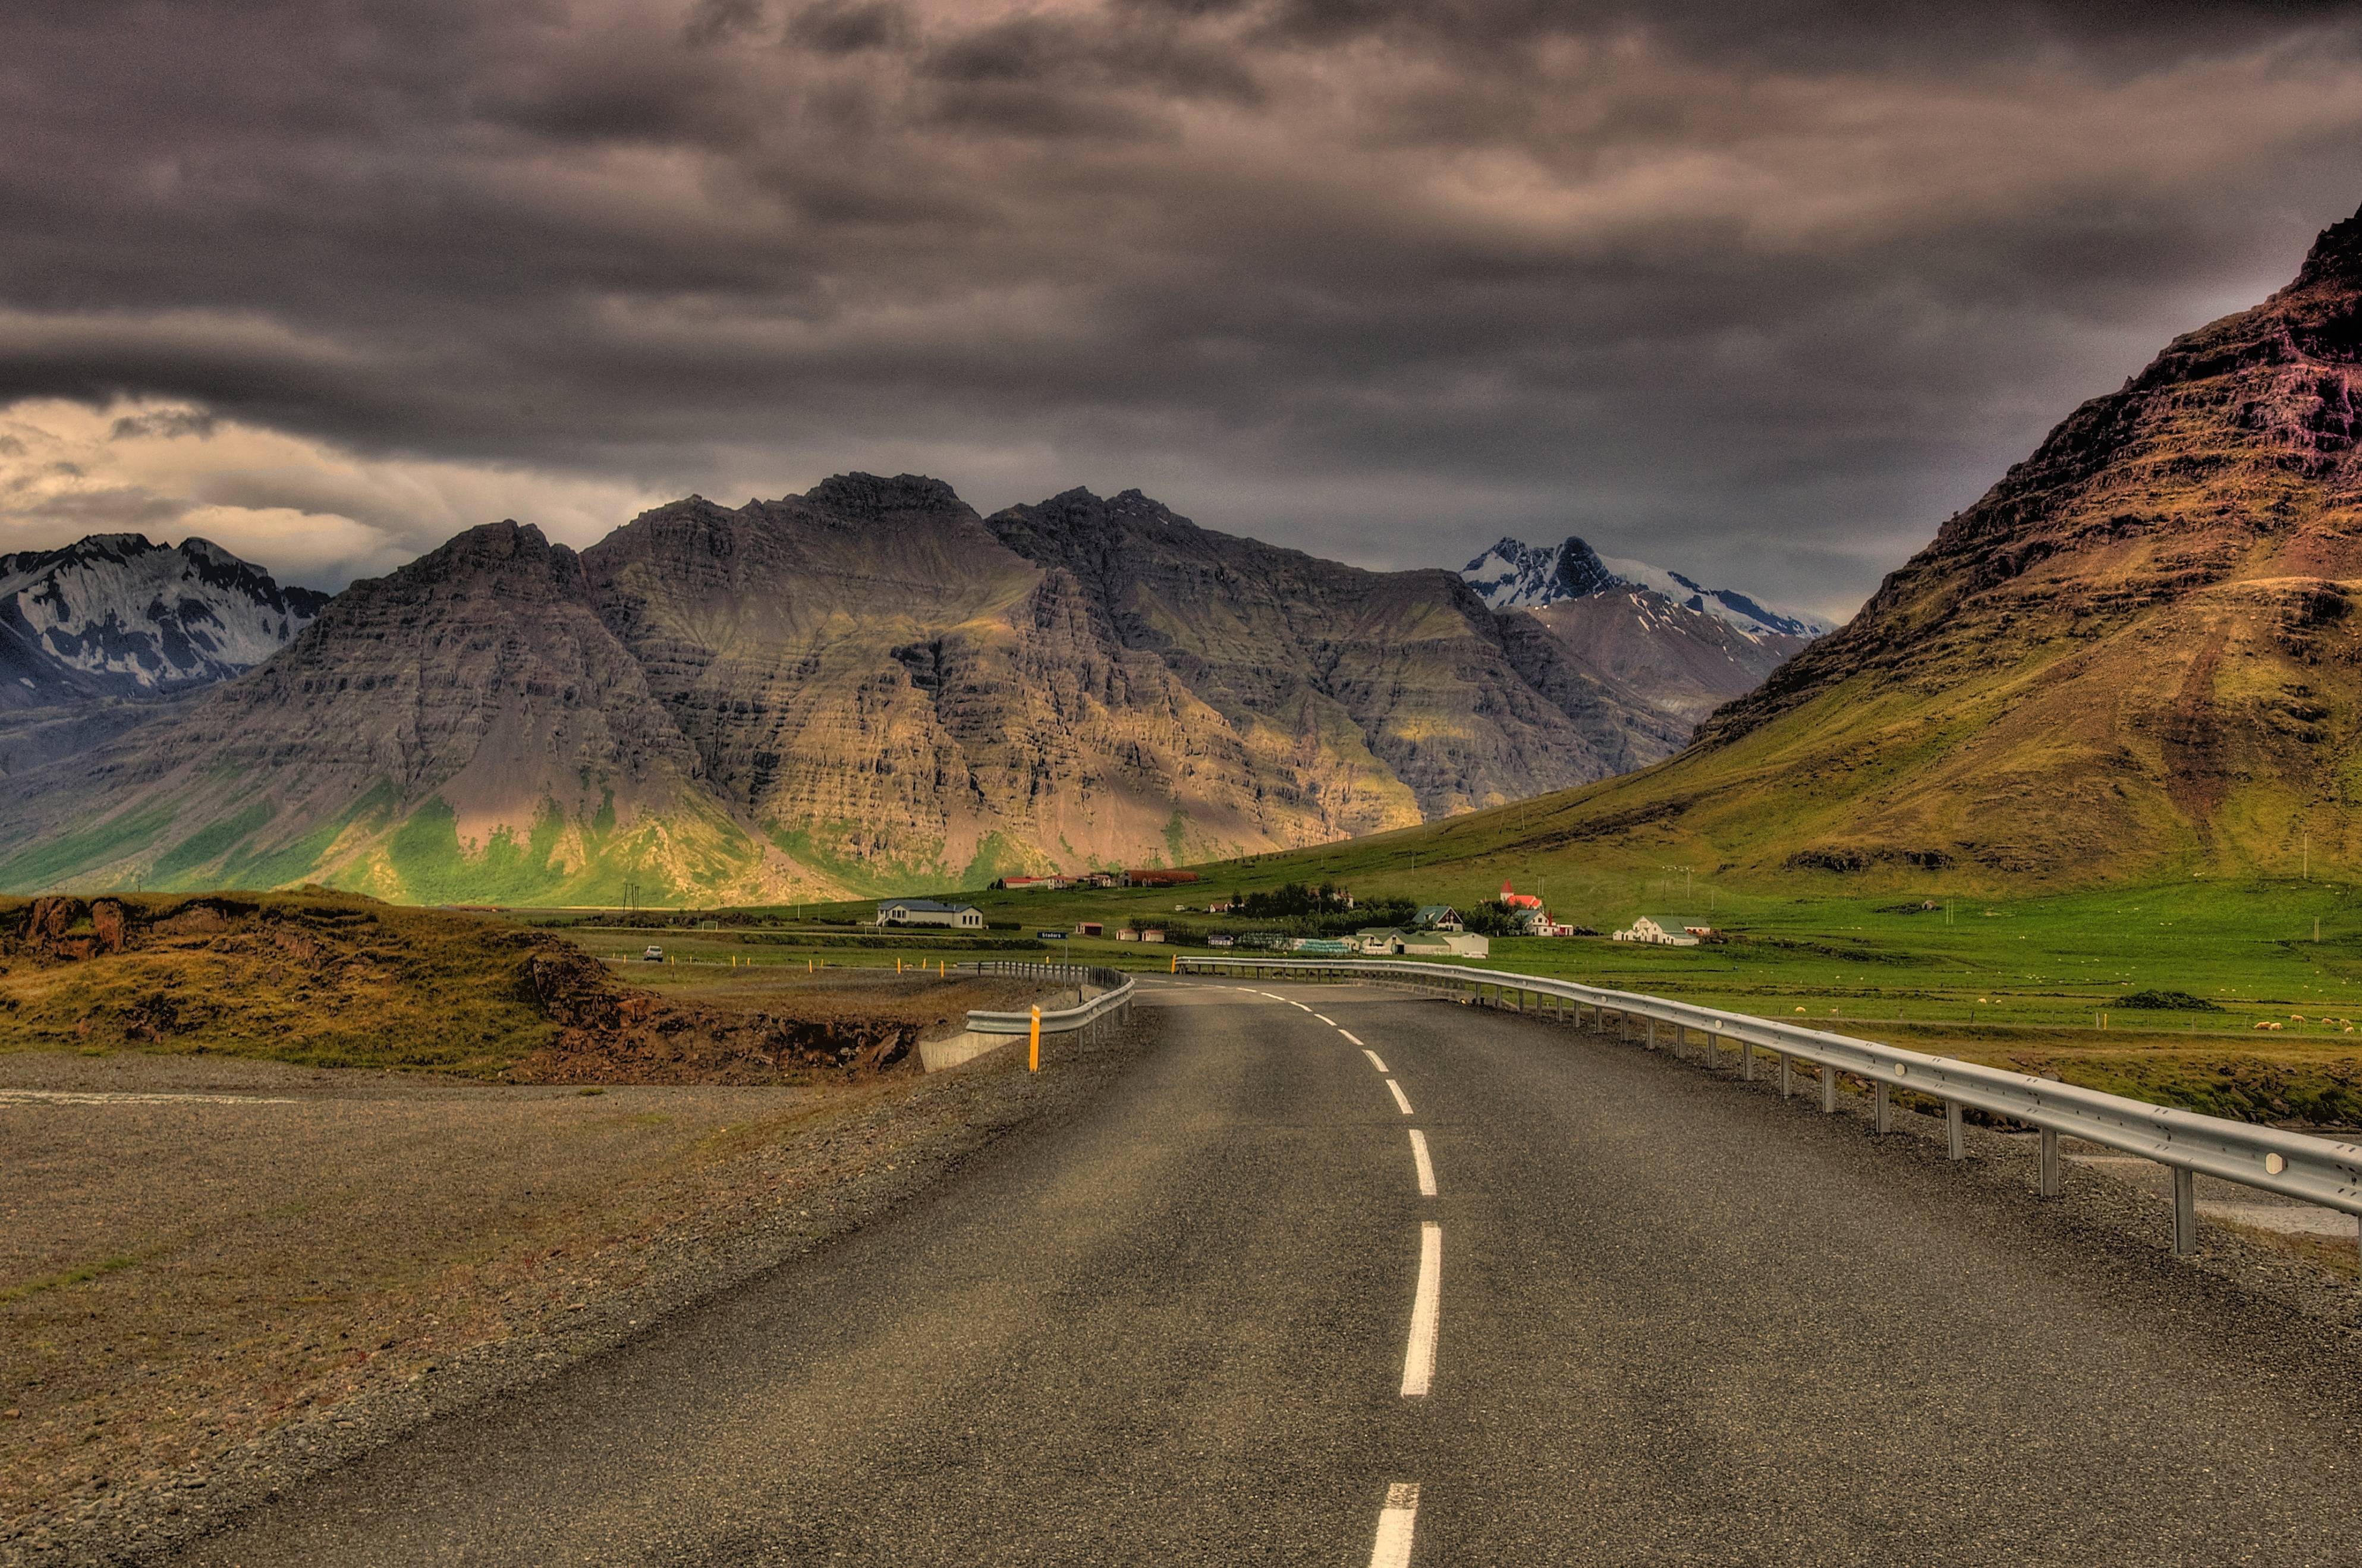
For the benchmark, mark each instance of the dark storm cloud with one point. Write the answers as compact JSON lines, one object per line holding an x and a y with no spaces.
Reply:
{"x":1762,"y":291}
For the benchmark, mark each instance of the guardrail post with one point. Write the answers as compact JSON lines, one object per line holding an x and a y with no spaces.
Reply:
{"x":1746,"y":1061}
{"x":1652,"y":1034}
{"x":1956,"y":1137}
{"x":1884,"y":1104}
{"x":1829,"y":1088}
{"x":1787,"y":1085}
{"x":2185,"y":1211}
{"x":2051,"y":1182}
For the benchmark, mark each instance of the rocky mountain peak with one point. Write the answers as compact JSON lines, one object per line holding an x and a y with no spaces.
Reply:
{"x":860,"y":497}
{"x":120,"y":615}
{"x":2335,"y":260}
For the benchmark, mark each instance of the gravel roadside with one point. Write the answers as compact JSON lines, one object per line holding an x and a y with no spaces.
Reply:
{"x":218,"y":1278}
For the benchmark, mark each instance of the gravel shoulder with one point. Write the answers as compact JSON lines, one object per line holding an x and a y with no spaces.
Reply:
{"x":218,"y":1276}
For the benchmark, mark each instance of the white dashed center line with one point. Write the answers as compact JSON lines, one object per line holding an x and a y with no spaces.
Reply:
{"x":1396,"y":1522}
{"x":1300,"y":1007}
{"x":1326,"y":1018}
{"x":1350,"y":1035}
{"x":1426,"y":1165}
{"x":1372,"y":1055}
{"x":1401,"y":1099}
{"x":1426,"y":1314}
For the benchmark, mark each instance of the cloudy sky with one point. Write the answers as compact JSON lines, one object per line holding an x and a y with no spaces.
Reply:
{"x":1759,"y":289}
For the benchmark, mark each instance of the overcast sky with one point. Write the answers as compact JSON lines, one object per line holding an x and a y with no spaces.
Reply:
{"x":1759,"y":290}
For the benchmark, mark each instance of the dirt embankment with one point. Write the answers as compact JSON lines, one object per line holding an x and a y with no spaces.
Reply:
{"x":334,"y":979}
{"x":610,"y":1033}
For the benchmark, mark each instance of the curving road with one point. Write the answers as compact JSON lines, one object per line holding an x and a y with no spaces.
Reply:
{"x":1337,"y":1277}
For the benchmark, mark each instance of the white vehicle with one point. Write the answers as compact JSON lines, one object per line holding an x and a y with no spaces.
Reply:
{"x":653,"y":953}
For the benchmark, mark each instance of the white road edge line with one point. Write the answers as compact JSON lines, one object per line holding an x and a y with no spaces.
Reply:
{"x":1426,"y":1165}
{"x":1401,"y":1099}
{"x":1372,"y":1055}
{"x":1350,"y":1035}
{"x":1326,"y":1018}
{"x":1426,"y":1314}
{"x":1396,"y":1522}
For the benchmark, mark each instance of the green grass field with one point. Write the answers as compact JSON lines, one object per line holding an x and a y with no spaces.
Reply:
{"x":2037,"y":983}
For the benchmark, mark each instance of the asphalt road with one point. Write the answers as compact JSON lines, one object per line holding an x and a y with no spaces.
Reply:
{"x":1671,"y":1320}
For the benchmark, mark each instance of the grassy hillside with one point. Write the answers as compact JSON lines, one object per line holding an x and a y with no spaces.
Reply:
{"x":326,"y":979}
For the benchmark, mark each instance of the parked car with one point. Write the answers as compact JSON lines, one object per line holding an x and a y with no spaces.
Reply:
{"x":652,"y":954}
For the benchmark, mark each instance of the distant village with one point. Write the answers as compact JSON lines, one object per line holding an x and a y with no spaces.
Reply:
{"x":1427,"y":930}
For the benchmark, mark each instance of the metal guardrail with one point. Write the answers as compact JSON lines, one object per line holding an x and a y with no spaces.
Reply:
{"x":1114,"y":998}
{"x":2294,"y":1165}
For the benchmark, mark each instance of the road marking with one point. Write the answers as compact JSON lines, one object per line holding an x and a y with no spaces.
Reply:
{"x":1426,"y":1313}
{"x":1326,"y":1018}
{"x":1372,"y":1055}
{"x":1426,"y":1165}
{"x":110,"y":1096}
{"x":1350,"y":1035}
{"x":1268,"y":996}
{"x":1400,"y":1098}
{"x":1395,"y":1521}
{"x":1300,"y":1007}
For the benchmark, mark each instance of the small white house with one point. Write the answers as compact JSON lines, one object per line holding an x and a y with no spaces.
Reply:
{"x":927,"y":912}
{"x":1664,"y":931}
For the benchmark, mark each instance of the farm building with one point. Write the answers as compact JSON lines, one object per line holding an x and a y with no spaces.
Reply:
{"x":927,"y":912}
{"x":1665,"y":931}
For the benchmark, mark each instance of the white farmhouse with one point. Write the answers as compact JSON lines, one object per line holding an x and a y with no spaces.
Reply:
{"x":927,"y":912}
{"x":1664,"y":931}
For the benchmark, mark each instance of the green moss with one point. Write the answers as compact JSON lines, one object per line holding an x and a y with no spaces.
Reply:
{"x":206,"y":845}
{"x":997,"y":856}
{"x":84,"y":849}
{"x":434,"y":867}
{"x":918,"y":869}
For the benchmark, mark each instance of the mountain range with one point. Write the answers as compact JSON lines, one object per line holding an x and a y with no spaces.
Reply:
{"x":867,"y":687}
{"x":2134,"y":655}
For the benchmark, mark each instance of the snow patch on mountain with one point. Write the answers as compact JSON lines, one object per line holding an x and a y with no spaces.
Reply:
{"x":115,"y":614}
{"x":1514,"y":575}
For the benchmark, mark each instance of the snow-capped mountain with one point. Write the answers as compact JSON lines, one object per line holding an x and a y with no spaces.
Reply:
{"x":1514,"y":575}
{"x":116,"y":615}
{"x":1661,"y":640}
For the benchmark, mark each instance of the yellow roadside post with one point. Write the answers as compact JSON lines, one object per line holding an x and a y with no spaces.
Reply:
{"x":1034,"y":1052}
{"x":1176,"y":963}
{"x":898,"y":966}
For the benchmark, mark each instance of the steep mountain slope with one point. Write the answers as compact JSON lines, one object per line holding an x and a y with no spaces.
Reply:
{"x":866,"y":688}
{"x":871,"y":676}
{"x":464,"y":728}
{"x":2134,"y":654}
{"x":1418,"y":700}
{"x":115,"y":616}
{"x":1654,"y":636}
{"x":1669,"y":657}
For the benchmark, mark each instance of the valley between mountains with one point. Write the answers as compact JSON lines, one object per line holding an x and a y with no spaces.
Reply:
{"x":867,"y":688}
